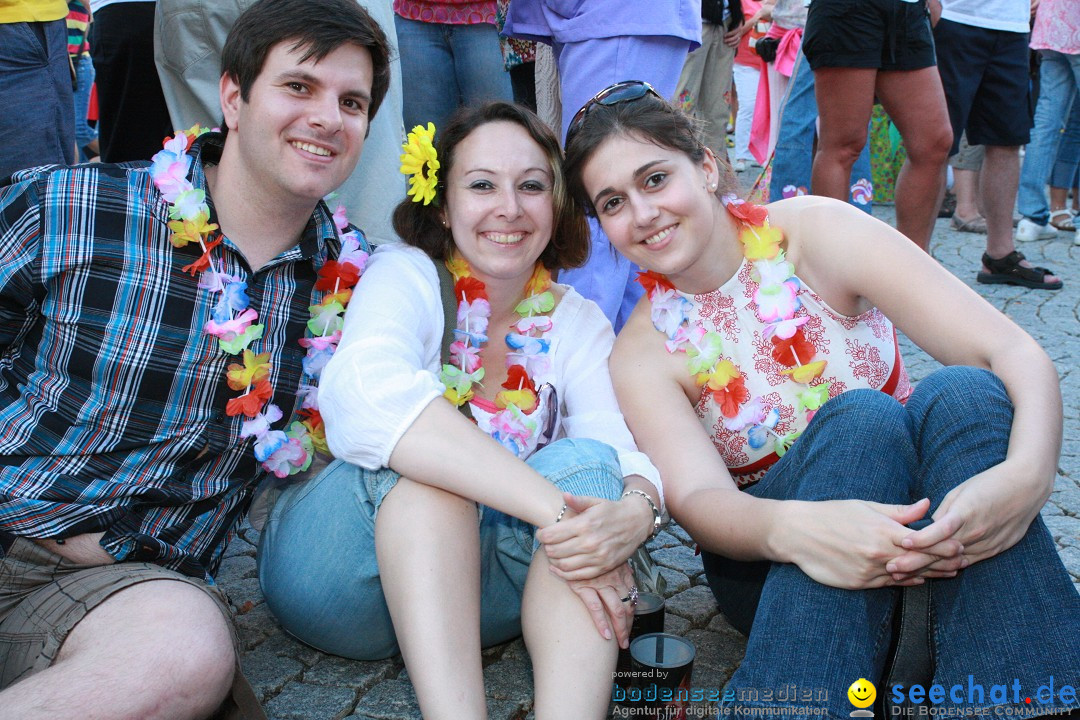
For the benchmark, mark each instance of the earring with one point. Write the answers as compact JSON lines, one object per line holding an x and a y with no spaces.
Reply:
{"x":712,"y":187}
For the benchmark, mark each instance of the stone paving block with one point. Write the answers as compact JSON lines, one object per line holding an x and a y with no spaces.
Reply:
{"x":713,"y":661}
{"x":515,"y":649}
{"x":284,"y":645}
{"x":505,"y":709}
{"x":676,"y":625}
{"x":390,"y":700}
{"x":663,"y":540}
{"x":299,"y":701}
{"x":677,"y":530}
{"x":238,"y":547}
{"x":1063,"y":526}
{"x":268,"y":672}
{"x":1067,"y":501}
{"x":255,"y":625}
{"x":1070,"y":556}
{"x":237,"y":567}
{"x":679,"y":558}
{"x":341,"y":672}
{"x":730,"y":643}
{"x":676,"y":581}
{"x":244,"y":595}
{"x":696,"y":605}
{"x":510,"y":679}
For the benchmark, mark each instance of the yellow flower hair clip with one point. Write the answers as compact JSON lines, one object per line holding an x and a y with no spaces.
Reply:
{"x":420,"y":163}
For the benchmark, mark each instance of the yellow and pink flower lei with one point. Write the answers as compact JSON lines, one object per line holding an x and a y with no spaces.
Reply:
{"x":527,"y":359}
{"x":776,"y":301}
{"x":233,"y":321}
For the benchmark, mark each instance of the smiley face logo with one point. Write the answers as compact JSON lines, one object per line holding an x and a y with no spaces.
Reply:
{"x":862,"y":693}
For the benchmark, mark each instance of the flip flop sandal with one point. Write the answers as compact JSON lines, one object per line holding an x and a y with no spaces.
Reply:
{"x":1009,"y":271}
{"x":1067,"y":221}
{"x":976,"y":224}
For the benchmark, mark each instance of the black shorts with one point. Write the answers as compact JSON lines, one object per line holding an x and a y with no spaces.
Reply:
{"x":985,"y":77}
{"x":881,"y":34}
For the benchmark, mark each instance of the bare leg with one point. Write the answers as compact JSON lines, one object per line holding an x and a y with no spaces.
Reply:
{"x":845,"y":98}
{"x":159,"y":649}
{"x":999,"y":181}
{"x":1058,"y":196}
{"x":572,"y":663}
{"x":1000,"y":178}
{"x":428,"y":546}
{"x":916,"y":103}
{"x":965,"y":185}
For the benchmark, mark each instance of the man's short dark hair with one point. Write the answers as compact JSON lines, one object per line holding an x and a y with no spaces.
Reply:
{"x":317,"y":26}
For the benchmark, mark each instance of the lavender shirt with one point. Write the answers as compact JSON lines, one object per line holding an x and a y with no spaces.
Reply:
{"x":568,"y":21}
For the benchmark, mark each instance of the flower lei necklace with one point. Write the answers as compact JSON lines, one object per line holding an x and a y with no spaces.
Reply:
{"x":776,"y":302}
{"x":528,"y":356}
{"x":233,"y":321}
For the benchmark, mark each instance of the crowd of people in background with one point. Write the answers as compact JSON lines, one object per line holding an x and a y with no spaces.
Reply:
{"x":764,"y":78}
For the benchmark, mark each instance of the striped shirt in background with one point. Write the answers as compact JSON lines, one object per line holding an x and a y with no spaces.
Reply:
{"x":78,"y":23}
{"x":112,"y":398}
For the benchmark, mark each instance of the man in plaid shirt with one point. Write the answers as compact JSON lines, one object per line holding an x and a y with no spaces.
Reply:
{"x":121,"y":474}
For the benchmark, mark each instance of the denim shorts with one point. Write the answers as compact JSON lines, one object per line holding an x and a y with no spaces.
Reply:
{"x":317,"y":562}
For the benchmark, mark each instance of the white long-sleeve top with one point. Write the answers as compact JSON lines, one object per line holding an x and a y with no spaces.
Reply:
{"x":386,"y":368}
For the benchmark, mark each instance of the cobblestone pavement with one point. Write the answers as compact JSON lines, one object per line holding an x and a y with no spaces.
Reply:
{"x":298,"y":682}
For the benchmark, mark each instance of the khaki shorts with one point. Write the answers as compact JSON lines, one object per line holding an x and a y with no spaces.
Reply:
{"x":43,"y":596}
{"x":968,"y":157}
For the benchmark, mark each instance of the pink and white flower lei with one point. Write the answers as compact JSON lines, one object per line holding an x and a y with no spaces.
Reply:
{"x":776,"y":301}
{"x":281,"y":452}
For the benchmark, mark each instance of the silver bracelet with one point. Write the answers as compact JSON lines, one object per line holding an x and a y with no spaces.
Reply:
{"x":657,"y":518}
{"x":561,"y":513}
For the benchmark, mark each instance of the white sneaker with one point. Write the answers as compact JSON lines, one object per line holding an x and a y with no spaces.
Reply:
{"x":1028,"y":230}
{"x":739,"y":165}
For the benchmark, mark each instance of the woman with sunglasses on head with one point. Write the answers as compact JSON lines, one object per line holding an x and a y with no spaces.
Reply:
{"x":761,"y":374}
{"x":384,"y":550}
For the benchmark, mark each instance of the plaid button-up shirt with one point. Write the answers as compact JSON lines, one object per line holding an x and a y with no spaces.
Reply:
{"x":112,"y":398}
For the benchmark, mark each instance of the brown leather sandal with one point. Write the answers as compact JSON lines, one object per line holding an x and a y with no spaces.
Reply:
{"x":1009,"y":271}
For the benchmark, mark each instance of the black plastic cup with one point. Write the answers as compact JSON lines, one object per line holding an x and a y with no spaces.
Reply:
{"x":648,"y":618}
{"x":661,"y":665}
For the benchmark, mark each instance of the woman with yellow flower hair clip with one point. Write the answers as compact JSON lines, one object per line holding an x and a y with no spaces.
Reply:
{"x":384,"y":550}
{"x":761,"y":374}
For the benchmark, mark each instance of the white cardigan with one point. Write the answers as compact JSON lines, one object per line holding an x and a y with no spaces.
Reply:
{"x":386,"y":368}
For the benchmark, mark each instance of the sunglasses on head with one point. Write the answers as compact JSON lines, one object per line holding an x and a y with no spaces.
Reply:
{"x":620,"y":92}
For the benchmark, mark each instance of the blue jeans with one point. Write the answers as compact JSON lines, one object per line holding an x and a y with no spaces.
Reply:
{"x":1015,"y":615}
{"x":1060,"y":79}
{"x":37,"y":112}
{"x":794,"y":155}
{"x":444,"y":67}
{"x":1066,"y":172}
{"x":84,"y":80}
{"x":317,"y":565}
